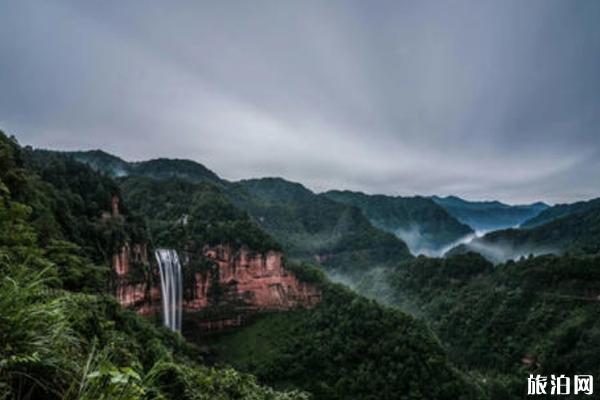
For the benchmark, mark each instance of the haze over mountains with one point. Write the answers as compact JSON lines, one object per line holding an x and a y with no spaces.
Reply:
{"x":426,"y":227}
{"x":485,"y":216}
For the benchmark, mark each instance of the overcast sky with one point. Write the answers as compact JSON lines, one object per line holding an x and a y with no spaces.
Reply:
{"x":482,"y":99}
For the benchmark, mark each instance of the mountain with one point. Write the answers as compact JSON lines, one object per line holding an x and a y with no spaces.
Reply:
{"x":560,"y":210}
{"x":426,"y":227}
{"x":488,"y":215}
{"x":66,"y":337}
{"x":307,"y":225}
{"x":314,"y":227}
{"x":506,"y":321}
{"x":161,"y":168}
{"x":180,"y":211}
{"x":577,"y":233}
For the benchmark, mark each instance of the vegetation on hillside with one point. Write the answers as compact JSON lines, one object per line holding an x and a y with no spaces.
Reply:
{"x":538,"y":315}
{"x":576,"y":233}
{"x":160,"y":168}
{"x":308,"y":226}
{"x":419,"y":221}
{"x":183,"y":214}
{"x":559,"y":211}
{"x":347,"y":347}
{"x":313,"y":227}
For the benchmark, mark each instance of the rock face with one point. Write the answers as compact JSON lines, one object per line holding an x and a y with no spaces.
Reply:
{"x":252,"y":279}
{"x":241,"y":280}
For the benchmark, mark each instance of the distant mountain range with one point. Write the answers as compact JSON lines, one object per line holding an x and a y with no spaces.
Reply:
{"x":426,"y":227}
{"x":577,"y":232}
{"x":349,"y":231}
{"x":485,"y":216}
{"x":560,"y":210}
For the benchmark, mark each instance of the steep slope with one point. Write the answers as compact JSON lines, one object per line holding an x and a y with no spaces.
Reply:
{"x":577,"y":233}
{"x":488,"y":215}
{"x":347,"y":347}
{"x":312,"y":226}
{"x":537,"y":315}
{"x":179,"y":211}
{"x":560,"y":210}
{"x":425,"y":226}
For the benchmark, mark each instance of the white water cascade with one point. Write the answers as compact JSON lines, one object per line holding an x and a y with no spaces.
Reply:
{"x":171,"y":287}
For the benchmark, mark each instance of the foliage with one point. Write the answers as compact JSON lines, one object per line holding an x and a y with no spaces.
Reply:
{"x":61,"y":345}
{"x":560,"y":210}
{"x":422,"y":223}
{"x":346,"y":347}
{"x":182,"y":214}
{"x":309,"y":225}
{"x":538,"y":315}
{"x":59,"y":341}
{"x":575,"y":233}
{"x":161,"y":168}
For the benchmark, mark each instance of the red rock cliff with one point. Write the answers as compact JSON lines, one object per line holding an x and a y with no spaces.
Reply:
{"x":245,"y":279}
{"x":254,"y":279}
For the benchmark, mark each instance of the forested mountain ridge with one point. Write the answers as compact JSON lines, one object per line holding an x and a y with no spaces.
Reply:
{"x":420,"y":222}
{"x":307,"y":225}
{"x":314,"y":227}
{"x":488,"y":215}
{"x":535,"y":316}
{"x":560,"y":210}
{"x":576,"y":233}
{"x":160,"y":168}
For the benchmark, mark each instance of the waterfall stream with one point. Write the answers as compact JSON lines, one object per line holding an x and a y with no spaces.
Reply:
{"x":171,"y":287}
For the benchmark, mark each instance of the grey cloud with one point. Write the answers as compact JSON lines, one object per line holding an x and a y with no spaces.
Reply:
{"x":487,"y":99}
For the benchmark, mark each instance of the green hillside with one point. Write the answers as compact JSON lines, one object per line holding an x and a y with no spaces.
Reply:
{"x":425,"y":226}
{"x":539,"y":315}
{"x":160,"y":168}
{"x":314,"y":227}
{"x":348,"y":347}
{"x":560,"y":210}
{"x":180,"y":213}
{"x":577,"y":233}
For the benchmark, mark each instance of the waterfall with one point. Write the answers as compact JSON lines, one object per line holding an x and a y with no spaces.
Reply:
{"x":170,"y":286}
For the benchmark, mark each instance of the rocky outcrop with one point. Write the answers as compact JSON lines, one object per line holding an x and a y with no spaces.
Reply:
{"x":143,"y":298}
{"x":252,"y":279}
{"x":242,"y":280}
